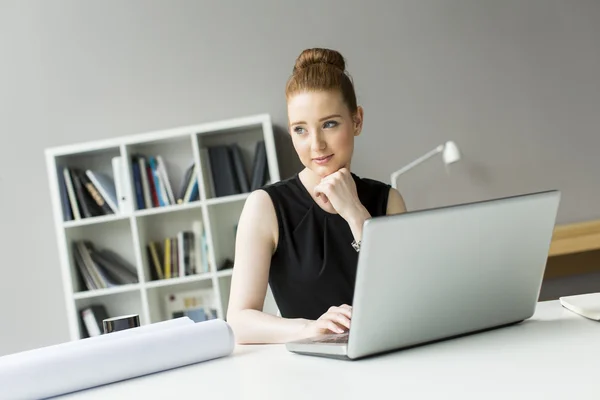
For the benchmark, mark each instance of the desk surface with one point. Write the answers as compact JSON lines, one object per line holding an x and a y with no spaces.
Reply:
{"x":555,"y":354}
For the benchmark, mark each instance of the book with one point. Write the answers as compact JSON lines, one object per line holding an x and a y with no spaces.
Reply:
{"x":64,"y":195}
{"x":223,"y":170}
{"x":100,"y":268}
{"x":105,"y":186}
{"x":71,"y":193}
{"x":181,"y":254}
{"x":92,"y":317}
{"x":586,"y":305}
{"x":238,"y":164}
{"x":122,"y":201}
{"x":260,"y":169}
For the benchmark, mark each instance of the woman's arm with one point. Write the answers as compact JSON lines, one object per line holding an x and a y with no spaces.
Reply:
{"x":395,"y":203}
{"x":256,"y":239}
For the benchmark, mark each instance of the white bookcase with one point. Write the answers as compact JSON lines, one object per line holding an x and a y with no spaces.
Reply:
{"x":128,"y":231}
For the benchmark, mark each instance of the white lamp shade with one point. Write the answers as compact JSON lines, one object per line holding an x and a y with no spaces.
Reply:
{"x":451,"y":153}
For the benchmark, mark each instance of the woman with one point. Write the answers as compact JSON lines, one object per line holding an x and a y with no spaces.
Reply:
{"x":302,"y":235}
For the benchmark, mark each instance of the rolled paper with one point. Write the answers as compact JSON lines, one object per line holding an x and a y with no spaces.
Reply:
{"x":73,"y":366}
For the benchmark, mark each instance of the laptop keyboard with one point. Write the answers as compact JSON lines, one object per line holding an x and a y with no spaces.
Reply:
{"x":335,"y":338}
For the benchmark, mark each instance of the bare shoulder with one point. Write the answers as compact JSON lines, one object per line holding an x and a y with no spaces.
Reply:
{"x":258,"y":215}
{"x":395,"y":204}
{"x":259,"y":201}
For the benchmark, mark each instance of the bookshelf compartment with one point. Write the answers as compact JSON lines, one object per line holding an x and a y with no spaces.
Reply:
{"x":233,"y":162}
{"x":115,"y":305}
{"x":86,"y":184}
{"x":160,"y":236}
{"x":224,"y":218}
{"x":163,"y":173}
{"x":167,"y":301}
{"x":101,"y":256}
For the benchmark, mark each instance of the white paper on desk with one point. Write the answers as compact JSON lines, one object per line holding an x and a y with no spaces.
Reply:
{"x":61,"y":370}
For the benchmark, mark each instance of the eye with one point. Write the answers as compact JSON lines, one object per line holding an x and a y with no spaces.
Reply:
{"x":299,"y":129}
{"x":330,"y":124}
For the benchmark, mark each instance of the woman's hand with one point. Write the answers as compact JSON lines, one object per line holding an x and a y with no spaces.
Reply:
{"x":339,"y":189}
{"x":335,"y":320}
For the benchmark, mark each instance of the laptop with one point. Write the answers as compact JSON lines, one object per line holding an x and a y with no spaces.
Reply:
{"x":437,"y":274}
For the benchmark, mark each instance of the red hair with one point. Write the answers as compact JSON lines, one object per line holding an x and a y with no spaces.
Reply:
{"x":320,"y":69}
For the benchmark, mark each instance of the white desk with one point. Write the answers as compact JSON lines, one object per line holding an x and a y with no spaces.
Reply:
{"x":553,"y":355}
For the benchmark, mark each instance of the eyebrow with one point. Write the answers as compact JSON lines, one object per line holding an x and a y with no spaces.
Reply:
{"x":322,"y":119}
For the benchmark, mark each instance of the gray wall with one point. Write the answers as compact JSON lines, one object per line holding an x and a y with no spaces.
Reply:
{"x":514,"y":82}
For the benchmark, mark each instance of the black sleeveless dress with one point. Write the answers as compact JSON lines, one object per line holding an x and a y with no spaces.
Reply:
{"x":314,"y":265}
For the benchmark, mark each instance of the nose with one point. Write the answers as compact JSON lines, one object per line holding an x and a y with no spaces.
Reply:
{"x":317,"y":141}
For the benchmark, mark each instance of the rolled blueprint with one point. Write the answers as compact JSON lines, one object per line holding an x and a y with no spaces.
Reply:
{"x":90,"y":341}
{"x":72,"y":366}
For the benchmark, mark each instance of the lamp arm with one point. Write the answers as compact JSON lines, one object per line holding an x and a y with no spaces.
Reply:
{"x":414,"y":163}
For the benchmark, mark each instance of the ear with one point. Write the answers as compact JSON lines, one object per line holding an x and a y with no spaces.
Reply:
{"x":358,"y":120}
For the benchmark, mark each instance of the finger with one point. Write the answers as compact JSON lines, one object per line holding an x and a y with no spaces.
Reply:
{"x":330,"y":179}
{"x":347,"y":308}
{"x":336,"y":176}
{"x":318,"y":190}
{"x":321,"y":191}
{"x":341,"y":319}
{"x":341,"y":310}
{"x":337,"y":315}
{"x":325,"y":185}
{"x":328,"y":325}
{"x":323,"y":196}
{"x":332,"y":326}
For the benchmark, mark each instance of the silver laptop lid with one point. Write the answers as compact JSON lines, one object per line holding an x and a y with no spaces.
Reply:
{"x":432,"y":274}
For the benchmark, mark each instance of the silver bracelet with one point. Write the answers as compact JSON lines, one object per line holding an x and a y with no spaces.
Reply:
{"x":356,"y":245}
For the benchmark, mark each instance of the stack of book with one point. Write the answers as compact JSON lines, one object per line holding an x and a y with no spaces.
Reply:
{"x":86,"y":193}
{"x":181,"y":255}
{"x":101,"y":268}
{"x":225,"y":172}
{"x":153,"y":187}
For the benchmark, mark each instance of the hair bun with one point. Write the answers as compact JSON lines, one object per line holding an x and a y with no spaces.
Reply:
{"x":320,"y":56}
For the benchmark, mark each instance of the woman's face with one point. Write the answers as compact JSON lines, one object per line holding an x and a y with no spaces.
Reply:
{"x":323,"y":130}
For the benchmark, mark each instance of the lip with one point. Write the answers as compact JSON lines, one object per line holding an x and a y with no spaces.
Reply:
{"x":322,"y":160}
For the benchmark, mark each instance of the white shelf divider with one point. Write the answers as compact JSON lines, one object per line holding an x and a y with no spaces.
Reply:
{"x":136,"y":227}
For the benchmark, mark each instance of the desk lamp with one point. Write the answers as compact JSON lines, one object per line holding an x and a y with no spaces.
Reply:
{"x":450,"y":154}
